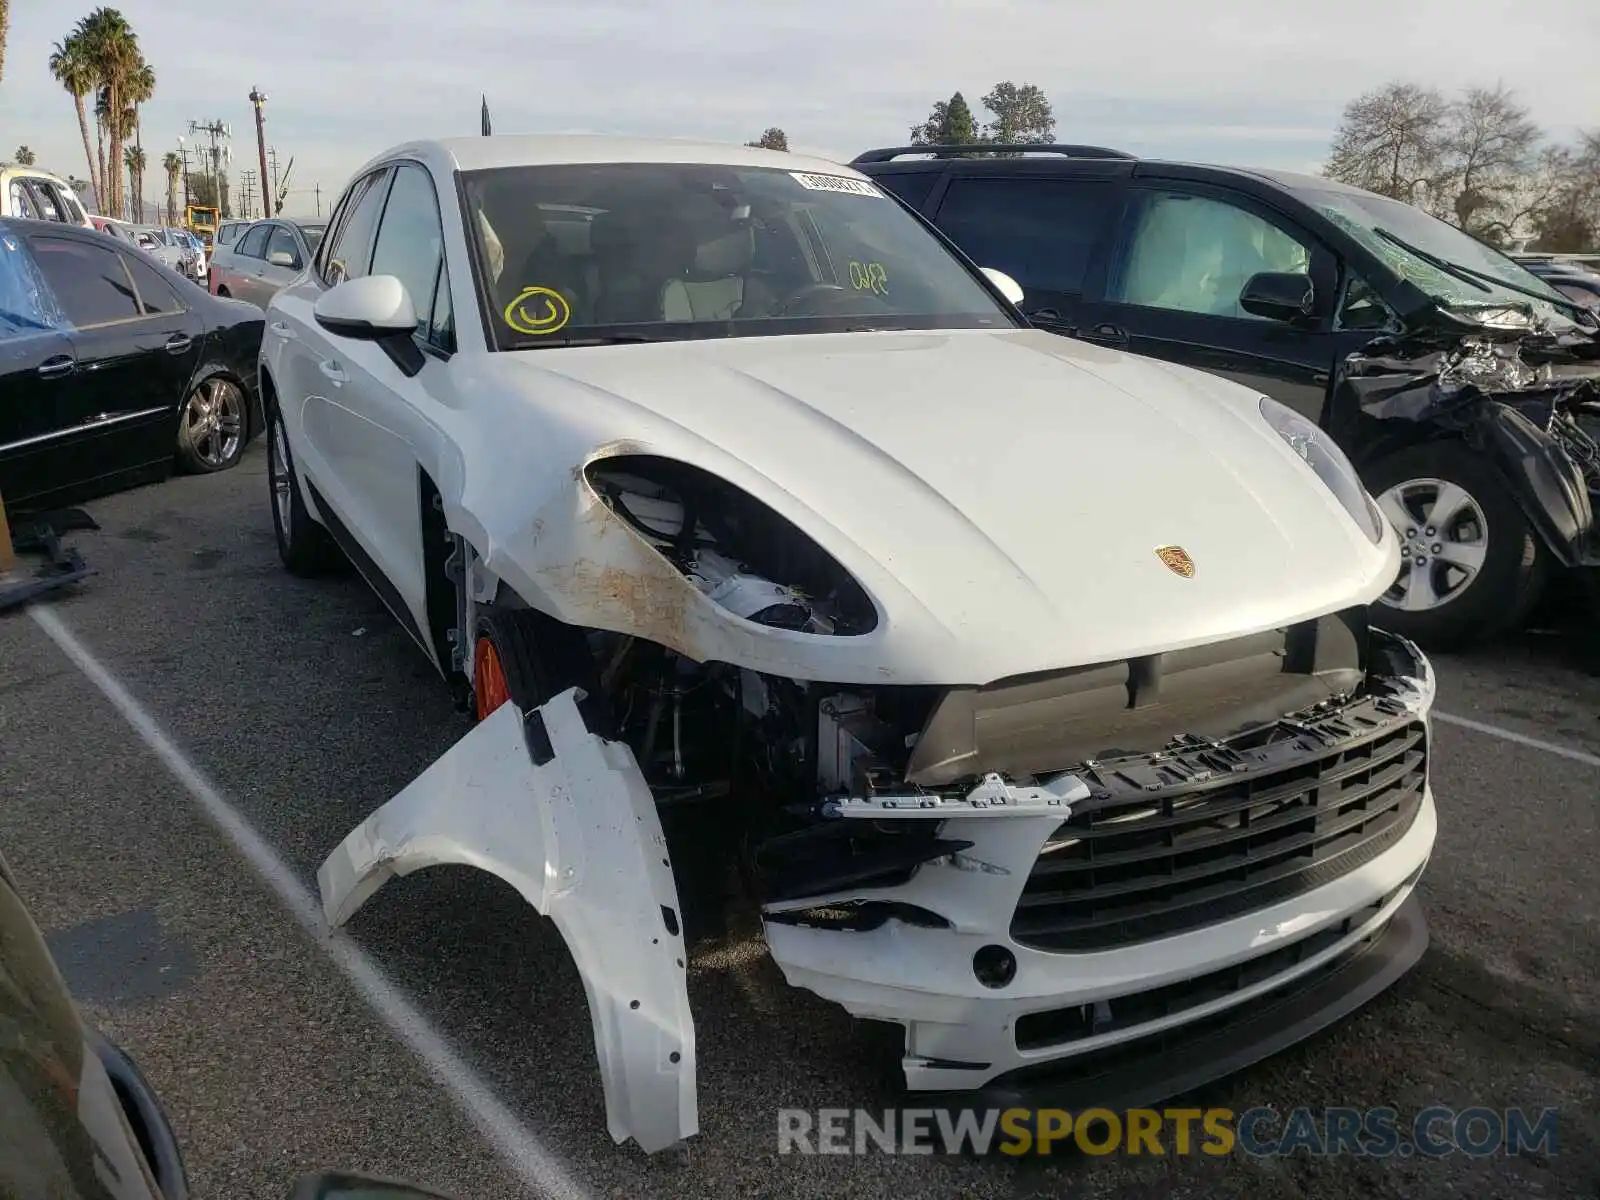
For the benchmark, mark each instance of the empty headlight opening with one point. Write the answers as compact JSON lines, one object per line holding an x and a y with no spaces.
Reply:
{"x":737,"y":551}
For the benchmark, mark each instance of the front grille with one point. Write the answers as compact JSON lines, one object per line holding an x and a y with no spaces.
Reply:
{"x":1063,"y":1026}
{"x":1209,"y":831}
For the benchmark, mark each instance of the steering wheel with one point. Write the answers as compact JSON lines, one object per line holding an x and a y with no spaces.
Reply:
{"x":805,"y":293}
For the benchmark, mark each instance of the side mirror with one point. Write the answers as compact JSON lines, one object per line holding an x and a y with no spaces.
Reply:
{"x":374,"y":308}
{"x":371,"y":308}
{"x":343,"y":1186}
{"x":282,"y":258}
{"x":1279,"y":296}
{"x":1007,"y":286}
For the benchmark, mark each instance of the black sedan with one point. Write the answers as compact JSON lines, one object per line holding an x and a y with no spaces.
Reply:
{"x":114,"y":369}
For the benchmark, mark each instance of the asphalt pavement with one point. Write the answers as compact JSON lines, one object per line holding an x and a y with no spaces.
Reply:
{"x":447,"y":1040}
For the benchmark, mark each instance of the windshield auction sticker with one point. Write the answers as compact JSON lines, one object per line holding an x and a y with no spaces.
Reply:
{"x":835,"y":183}
{"x":538,"y":311}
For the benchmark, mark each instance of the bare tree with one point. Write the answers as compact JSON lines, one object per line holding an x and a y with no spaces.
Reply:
{"x":1489,"y":145}
{"x":1390,"y":140}
{"x":1568,"y":215}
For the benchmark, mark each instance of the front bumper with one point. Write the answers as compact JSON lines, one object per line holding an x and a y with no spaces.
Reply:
{"x":1126,"y":1024}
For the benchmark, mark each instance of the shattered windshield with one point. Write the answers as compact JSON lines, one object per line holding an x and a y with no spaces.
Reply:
{"x":664,"y":251}
{"x":1365,"y":216}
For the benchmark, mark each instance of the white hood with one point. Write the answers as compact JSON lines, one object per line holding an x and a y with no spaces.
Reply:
{"x":1000,"y":495}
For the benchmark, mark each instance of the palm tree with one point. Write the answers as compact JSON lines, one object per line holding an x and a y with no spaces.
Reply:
{"x":141,"y":86}
{"x":113,"y":48}
{"x":172,"y":164}
{"x":73,"y":71}
{"x":24,"y":156}
{"x":134,"y":157}
{"x":102,"y":119}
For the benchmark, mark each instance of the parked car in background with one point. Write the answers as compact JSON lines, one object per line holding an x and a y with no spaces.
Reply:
{"x":113,"y":368}
{"x":123,"y":231}
{"x":154,"y":241}
{"x":265,"y":258}
{"x":1420,"y":348}
{"x":1571,"y":279}
{"x":228,"y":232}
{"x":38,"y":195}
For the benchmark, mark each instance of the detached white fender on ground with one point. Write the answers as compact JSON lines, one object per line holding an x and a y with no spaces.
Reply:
{"x":567,"y":819}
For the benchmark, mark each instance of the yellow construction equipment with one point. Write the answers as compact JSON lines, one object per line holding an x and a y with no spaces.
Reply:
{"x":201,"y":221}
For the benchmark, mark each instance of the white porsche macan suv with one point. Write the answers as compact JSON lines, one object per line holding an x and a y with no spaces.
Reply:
{"x":1026,"y":686}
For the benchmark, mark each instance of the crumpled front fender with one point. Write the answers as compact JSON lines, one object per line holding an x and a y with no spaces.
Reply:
{"x":567,"y":819}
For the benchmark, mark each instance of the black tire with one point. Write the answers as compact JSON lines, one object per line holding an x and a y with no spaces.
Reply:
{"x":1514,"y":562}
{"x":305,"y":547}
{"x":541,"y":657}
{"x":213,"y":426}
{"x":223,"y":292}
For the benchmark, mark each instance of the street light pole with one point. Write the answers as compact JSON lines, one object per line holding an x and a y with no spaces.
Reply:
{"x":258,"y":98}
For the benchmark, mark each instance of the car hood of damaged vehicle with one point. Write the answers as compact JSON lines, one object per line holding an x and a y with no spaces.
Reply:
{"x":1002,"y":495}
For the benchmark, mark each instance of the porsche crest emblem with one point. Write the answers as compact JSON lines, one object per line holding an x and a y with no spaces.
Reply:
{"x":1177,"y":560}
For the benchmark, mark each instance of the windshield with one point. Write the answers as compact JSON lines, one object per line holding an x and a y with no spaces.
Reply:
{"x":1363,"y":215}
{"x":625,"y":251}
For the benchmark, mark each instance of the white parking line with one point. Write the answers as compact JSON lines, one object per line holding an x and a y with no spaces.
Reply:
{"x":1522,"y":739}
{"x":530,"y":1160}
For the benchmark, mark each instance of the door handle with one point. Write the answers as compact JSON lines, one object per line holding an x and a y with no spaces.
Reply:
{"x":54,"y":368}
{"x":333,"y":371}
{"x":178,"y":343}
{"x":1110,"y":334}
{"x":281,"y":328}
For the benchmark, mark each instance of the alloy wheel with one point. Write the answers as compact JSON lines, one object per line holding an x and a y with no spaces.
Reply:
{"x":214,"y":421}
{"x":1444,"y":539}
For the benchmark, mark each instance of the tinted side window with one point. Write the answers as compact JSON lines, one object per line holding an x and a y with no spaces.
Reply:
{"x":228,"y":234}
{"x":21,"y":203}
{"x":283,"y":241}
{"x":914,"y":187}
{"x":89,"y":281}
{"x":44,"y":199}
{"x":155,"y":294}
{"x":411,"y":239}
{"x":1041,"y":232}
{"x":351,"y":248}
{"x":254,"y":243}
{"x":1194,"y":254}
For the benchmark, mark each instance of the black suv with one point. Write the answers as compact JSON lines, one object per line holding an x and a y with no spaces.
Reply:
{"x":1452,"y":376}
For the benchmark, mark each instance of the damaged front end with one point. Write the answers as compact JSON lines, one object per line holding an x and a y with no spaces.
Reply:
{"x":1118,"y":929}
{"x":1524,"y":395}
{"x":566,"y":818}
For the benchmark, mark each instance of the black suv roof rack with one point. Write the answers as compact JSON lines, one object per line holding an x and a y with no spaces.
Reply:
{"x":889,"y":153}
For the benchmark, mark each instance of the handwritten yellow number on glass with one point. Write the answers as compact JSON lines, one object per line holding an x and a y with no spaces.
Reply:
{"x":869,"y":277}
{"x":537,"y":311}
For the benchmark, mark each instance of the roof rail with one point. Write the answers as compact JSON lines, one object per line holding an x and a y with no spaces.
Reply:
{"x":889,"y":153}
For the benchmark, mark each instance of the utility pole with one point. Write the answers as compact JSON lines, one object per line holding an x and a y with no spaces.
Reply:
{"x":213,"y":130}
{"x":259,"y":98}
{"x":247,"y":185}
{"x":273,"y":153}
{"x":183,"y":152}
{"x":317,"y":188}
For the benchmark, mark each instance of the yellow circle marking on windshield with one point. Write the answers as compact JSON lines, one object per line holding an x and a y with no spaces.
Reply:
{"x":527,"y":315}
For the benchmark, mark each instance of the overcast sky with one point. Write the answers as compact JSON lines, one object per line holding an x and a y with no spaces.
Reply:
{"x":1250,"y":82}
